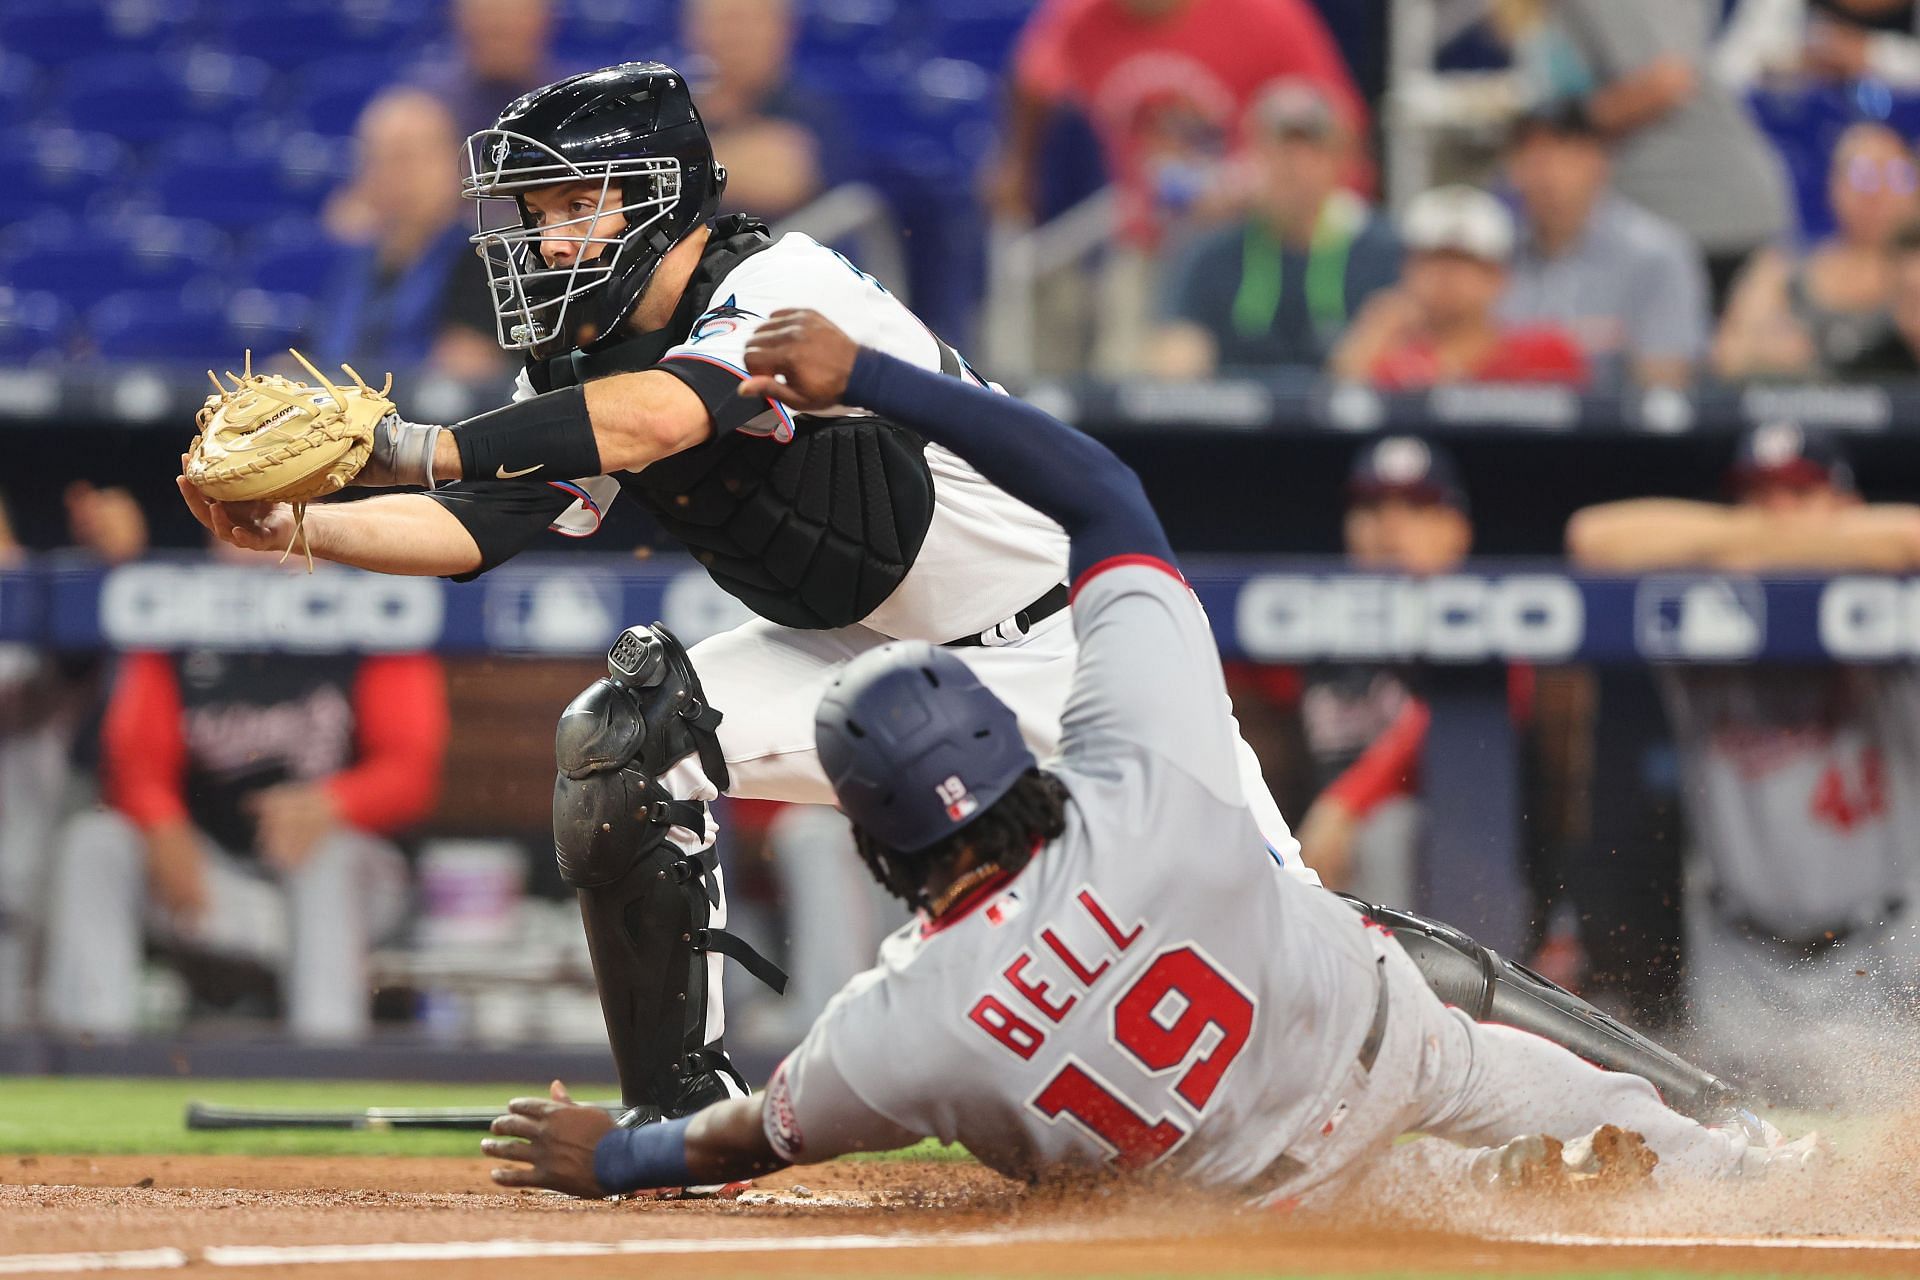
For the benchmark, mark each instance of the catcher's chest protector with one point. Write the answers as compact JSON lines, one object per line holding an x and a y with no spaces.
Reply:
{"x":815,"y":533}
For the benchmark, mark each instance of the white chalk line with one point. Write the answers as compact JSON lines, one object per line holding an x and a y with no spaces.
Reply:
{"x":492,"y":1250}
{"x":1848,"y":1244}
{"x":17,"y":1264}
{"x":474,"y":1250}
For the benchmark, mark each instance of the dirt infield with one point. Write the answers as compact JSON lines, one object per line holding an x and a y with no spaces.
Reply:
{"x":400,"y":1217}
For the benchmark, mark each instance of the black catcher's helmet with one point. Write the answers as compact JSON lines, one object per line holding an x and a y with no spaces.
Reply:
{"x":631,"y":129}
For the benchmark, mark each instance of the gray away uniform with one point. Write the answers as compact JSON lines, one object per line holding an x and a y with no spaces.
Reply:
{"x":1152,"y":991}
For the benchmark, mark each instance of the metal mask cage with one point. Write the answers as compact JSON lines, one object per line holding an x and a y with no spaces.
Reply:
{"x":531,"y":299}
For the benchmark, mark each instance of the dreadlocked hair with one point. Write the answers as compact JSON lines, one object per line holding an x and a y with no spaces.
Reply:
{"x":1034,"y":809}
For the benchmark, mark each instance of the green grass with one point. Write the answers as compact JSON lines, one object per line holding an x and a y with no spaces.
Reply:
{"x":45,"y":1115}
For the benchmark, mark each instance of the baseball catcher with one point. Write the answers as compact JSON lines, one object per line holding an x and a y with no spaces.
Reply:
{"x":1106,"y":970}
{"x":842,"y":527}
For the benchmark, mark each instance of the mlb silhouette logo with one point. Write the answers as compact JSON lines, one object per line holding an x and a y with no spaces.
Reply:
{"x":1721,"y":619}
{"x":960,"y":803}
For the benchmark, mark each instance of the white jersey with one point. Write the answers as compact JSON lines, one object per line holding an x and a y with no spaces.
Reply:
{"x":1149,"y":989}
{"x":986,"y":555}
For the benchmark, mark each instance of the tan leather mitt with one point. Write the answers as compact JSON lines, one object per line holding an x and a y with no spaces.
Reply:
{"x":270,"y":438}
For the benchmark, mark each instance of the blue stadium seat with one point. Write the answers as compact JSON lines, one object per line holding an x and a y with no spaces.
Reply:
{"x":293,"y":256}
{"x":330,"y":93}
{"x":145,"y":97}
{"x":261,"y":321}
{"x":291,"y":34}
{"x":986,"y":37}
{"x":74,"y":172}
{"x":20,"y":96}
{"x":54,"y":33}
{"x":237,"y":193}
{"x":159,"y":325}
{"x":32,"y":325}
{"x":82,"y":262}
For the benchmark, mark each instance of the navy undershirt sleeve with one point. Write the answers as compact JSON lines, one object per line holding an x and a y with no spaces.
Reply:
{"x":1034,"y":456}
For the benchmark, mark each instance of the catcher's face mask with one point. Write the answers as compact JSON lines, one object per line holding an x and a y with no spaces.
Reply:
{"x":614,"y":236}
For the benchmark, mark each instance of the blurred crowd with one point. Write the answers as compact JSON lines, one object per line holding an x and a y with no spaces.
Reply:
{"x":1631,"y":218}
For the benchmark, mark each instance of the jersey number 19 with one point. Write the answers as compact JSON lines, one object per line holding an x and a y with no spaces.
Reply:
{"x":1161,"y":1022}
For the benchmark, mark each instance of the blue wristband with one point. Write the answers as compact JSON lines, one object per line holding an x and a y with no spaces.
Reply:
{"x":654,"y":1155}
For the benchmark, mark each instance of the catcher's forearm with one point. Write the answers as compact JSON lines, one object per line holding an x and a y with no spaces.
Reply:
{"x":622,"y":423}
{"x":404,"y":533}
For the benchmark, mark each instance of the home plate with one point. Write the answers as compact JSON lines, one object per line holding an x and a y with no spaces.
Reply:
{"x":808,"y":1198}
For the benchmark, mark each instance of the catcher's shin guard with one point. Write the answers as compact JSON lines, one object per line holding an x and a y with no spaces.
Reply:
{"x":647,"y":902}
{"x":1487,"y":987}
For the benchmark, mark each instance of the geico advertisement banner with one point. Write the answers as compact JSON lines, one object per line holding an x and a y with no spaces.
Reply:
{"x":1449,"y":618}
{"x":1264,"y":610}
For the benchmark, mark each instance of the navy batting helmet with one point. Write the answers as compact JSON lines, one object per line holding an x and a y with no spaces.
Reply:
{"x":915,"y":745}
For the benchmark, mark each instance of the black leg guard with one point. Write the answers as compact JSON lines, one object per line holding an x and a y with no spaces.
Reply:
{"x":645,"y":903}
{"x":1489,"y":988}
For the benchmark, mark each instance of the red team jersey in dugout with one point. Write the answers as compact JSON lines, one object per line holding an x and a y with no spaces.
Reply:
{"x":1152,"y":987}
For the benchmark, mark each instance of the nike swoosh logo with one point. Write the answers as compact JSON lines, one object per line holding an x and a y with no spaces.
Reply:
{"x":502,"y":473}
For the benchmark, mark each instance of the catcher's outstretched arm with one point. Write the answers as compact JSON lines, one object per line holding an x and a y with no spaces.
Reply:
{"x":622,"y":423}
{"x":404,"y":533}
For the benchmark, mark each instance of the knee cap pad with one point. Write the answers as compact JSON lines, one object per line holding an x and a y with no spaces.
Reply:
{"x":613,"y":743}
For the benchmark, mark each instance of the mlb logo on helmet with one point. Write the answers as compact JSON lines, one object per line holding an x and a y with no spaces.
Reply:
{"x":960,"y":803}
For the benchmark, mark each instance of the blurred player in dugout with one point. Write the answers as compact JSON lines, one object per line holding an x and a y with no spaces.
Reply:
{"x":251,"y":800}
{"x":1801,"y":788}
{"x":1361,"y":728}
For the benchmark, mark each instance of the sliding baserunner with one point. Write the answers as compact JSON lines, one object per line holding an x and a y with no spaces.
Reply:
{"x":1106,"y":968}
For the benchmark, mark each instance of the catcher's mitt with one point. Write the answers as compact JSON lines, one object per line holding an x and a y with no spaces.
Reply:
{"x":270,"y":438}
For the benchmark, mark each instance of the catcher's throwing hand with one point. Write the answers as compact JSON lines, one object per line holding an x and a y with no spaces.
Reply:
{"x":800,"y":358}
{"x":559,"y":1137}
{"x":251,"y":526}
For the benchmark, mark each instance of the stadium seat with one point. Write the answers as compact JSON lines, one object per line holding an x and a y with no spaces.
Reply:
{"x":73,"y":172}
{"x":292,"y":265}
{"x":58,"y":32}
{"x":290,"y":36}
{"x":237,"y":193}
{"x":261,"y":321}
{"x":159,"y":325}
{"x":146,"y":97}
{"x":32,"y":325}
{"x":330,"y":93}
{"x":83,"y":262}
{"x":20,"y":95}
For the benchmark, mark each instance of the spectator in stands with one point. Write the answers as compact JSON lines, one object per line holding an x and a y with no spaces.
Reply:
{"x":775,"y":137}
{"x":410,"y":292}
{"x":1801,"y":794}
{"x":1684,"y":147}
{"x":1440,"y":324}
{"x":1166,"y":85}
{"x":251,"y":804}
{"x":1364,"y":726}
{"x":1627,"y":285}
{"x":1277,"y":288}
{"x":501,"y":49}
{"x":1822,"y":39}
{"x":1815,"y":315}
{"x":1897,"y":353}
